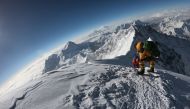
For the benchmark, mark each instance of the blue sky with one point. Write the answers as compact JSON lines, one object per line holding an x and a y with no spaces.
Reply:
{"x":29,"y":28}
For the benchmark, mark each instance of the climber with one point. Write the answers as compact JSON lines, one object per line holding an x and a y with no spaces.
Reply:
{"x":147,"y":51}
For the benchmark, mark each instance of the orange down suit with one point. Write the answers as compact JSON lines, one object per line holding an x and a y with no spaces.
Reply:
{"x":144,"y":55}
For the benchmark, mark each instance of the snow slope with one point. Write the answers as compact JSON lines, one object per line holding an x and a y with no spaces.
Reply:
{"x":101,"y":86}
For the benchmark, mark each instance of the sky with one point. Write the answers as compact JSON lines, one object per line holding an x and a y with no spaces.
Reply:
{"x":30,"y":28}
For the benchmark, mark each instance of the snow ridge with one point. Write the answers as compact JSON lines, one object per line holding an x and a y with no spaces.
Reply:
{"x":109,"y":45}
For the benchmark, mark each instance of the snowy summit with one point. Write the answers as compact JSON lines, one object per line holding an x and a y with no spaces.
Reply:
{"x":96,"y":71}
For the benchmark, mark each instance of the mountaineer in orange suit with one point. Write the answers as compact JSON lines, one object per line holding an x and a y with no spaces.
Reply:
{"x":147,"y":52}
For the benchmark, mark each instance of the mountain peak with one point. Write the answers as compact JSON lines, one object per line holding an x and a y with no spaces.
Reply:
{"x":138,"y":22}
{"x":70,"y":44}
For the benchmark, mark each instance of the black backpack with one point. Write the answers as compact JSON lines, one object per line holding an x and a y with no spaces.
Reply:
{"x":152,"y":47}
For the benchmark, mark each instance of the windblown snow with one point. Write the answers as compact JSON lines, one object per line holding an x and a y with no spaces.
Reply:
{"x":95,"y":72}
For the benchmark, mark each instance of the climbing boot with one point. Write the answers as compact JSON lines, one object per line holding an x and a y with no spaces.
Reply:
{"x":140,"y":72}
{"x":151,"y":66}
{"x":150,"y":70}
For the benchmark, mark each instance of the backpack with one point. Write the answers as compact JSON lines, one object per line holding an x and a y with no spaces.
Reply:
{"x":152,"y":47}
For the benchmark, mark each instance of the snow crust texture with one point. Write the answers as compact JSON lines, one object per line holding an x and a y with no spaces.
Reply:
{"x":101,"y":86}
{"x":111,"y":90}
